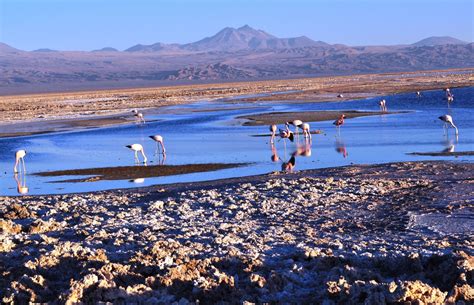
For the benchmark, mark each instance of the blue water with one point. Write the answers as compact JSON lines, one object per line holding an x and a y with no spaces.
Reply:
{"x":193,"y":136}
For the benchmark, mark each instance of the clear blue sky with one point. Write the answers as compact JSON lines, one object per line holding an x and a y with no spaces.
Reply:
{"x":93,"y":24}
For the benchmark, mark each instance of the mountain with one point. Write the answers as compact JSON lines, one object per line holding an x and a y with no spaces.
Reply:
{"x":106,"y":49}
{"x":437,"y":41}
{"x":156,"y":47}
{"x":232,"y":54}
{"x":45,"y":50}
{"x":231,"y":39}
{"x":4,"y":48}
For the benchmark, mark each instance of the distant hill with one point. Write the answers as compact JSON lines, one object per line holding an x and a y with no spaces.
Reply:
{"x":156,"y":47}
{"x":106,"y":49}
{"x":45,"y":50}
{"x":4,"y":48}
{"x":437,"y":41}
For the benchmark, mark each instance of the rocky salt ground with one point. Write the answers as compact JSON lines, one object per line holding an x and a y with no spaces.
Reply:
{"x":324,"y":236}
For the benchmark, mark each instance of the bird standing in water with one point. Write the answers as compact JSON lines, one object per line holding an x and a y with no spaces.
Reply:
{"x":340,"y":121}
{"x":297,"y":124}
{"x":139,"y":116}
{"x":447,"y":119}
{"x":286,"y":133}
{"x":159,"y":140}
{"x":19,"y":156}
{"x":306,"y":130}
{"x":273,"y":129}
{"x":138,"y":148}
{"x":383,"y":106}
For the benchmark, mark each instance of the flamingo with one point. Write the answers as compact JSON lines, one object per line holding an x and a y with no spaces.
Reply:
{"x":448,"y":119}
{"x":273,"y":129}
{"x":340,"y":121}
{"x":296,"y":123}
{"x":418,"y":94}
{"x":159,"y":140}
{"x":449,"y":96}
{"x":340,"y":96}
{"x":286,"y":133}
{"x":306,"y":130}
{"x":383,"y":106}
{"x":138,"y":148}
{"x":19,"y":155}
{"x":139,"y":116}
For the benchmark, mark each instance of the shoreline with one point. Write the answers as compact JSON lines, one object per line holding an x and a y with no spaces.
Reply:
{"x":344,"y":234}
{"x":61,"y":108}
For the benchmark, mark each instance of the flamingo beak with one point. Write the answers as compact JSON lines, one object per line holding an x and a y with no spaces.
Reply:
{"x":128,"y":146}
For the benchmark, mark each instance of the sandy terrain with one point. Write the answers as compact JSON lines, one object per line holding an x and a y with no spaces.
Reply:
{"x":136,"y":172}
{"x":84,"y":104}
{"x":307,"y":116}
{"x":393,"y":233}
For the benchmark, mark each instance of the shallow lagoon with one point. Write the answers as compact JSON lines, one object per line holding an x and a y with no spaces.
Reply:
{"x":207,"y":132}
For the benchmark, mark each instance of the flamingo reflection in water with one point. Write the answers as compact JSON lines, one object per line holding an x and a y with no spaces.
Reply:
{"x":341,"y":147}
{"x":274,"y":157}
{"x":21,"y":183}
{"x":289,"y":166}
{"x":301,"y":151}
{"x":449,"y":144}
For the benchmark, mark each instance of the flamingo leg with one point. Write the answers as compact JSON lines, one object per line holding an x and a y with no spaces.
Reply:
{"x":15,"y":167}
{"x":144,"y":157}
{"x":23,"y":163}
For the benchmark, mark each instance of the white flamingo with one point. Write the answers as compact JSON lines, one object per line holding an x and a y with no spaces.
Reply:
{"x":286,"y":133}
{"x":297,"y":124}
{"x":139,"y":116}
{"x":383,"y":106}
{"x":19,"y":156}
{"x":273,"y":129}
{"x":447,"y":119}
{"x":159,"y":140}
{"x":138,"y":148}
{"x":306,"y":130}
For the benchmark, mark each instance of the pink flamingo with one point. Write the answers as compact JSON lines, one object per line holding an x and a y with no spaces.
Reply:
{"x":159,"y":140}
{"x":340,"y":121}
